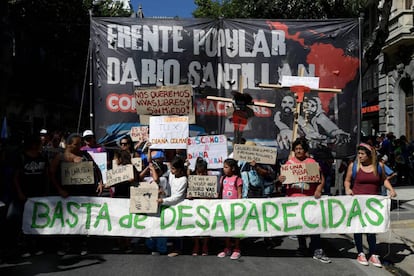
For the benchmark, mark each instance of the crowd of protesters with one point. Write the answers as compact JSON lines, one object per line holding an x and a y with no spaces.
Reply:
{"x":33,"y":170}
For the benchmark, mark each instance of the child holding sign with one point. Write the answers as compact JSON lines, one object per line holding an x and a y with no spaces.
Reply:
{"x":300,"y":148}
{"x":231,"y":188}
{"x":178,"y":184}
{"x":200,"y":169}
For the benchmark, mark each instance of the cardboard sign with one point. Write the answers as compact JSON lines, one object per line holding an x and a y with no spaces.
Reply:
{"x":262,"y":155}
{"x":212,"y":148}
{"x":202,"y":186}
{"x":168,"y":132}
{"x":252,"y":217}
{"x":144,"y":198}
{"x":119,"y":174}
{"x":139,"y":134}
{"x":80,"y":173}
{"x":301,"y":172}
{"x":164,"y":100}
{"x":137,"y":162}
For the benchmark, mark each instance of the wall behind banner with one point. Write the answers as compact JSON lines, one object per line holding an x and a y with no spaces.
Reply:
{"x":211,"y":55}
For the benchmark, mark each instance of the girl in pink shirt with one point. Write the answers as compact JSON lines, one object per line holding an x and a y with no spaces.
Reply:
{"x":231,"y":188}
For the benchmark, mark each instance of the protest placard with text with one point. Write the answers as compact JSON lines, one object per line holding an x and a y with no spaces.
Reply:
{"x":262,"y":155}
{"x":168,"y":132}
{"x":301,"y":172}
{"x":139,"y":134}
{"x":252,"y":217}
{"x":119,"y":174}
{"x":137,"y":162}
{"x":212,"y":148}
{"x":202,"y":186}
{"x":79,"y":173}
{"x":164,"y":100}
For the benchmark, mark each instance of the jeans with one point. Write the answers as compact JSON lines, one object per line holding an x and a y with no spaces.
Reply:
{"x":372,"y":242}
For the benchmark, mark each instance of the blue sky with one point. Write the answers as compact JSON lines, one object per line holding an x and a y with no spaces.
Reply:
{"x":181,"y":8}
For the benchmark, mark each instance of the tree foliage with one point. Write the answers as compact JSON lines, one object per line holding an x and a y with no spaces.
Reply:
{"x":281,"y":9}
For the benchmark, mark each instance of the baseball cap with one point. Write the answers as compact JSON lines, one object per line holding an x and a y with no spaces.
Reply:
{"x":43,"y":131}
{"x":87,"y":132}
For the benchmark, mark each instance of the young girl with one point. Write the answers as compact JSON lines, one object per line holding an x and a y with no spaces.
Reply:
{"x":231,"y":188}
{"x":178,"y":185}
{"x":200,"y":169}
{"x":157,"y":245}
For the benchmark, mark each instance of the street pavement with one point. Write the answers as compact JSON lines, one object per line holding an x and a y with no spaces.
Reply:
{"x":396,"y":248}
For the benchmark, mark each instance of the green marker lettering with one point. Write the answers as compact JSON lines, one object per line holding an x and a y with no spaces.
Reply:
{"x":234,"y":216}
{"x":380,"y":218}
{"x":269,"y":220}
{"x":305,"y":221}
{"x":181,"y":215}
{"x":69,"y":206}
{"x":41,"y":215}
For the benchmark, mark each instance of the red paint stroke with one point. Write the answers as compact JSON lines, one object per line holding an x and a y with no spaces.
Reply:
{"x":332,"y":66}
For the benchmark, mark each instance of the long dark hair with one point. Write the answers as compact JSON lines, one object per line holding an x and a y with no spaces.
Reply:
{"x":233,"y":165}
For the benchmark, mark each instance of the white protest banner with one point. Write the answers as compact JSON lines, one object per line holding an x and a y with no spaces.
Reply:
{"x":139,"y":134}
{"x":212,"y":148}
{"x":301,"y":172}
{"x":311,"y":82}
{"x":164,"y":100}
{"x":137,"y":162}
{"x":80,"y":173}
{"x":168,"y":132}
{"x":202,"y":186}
{"x":261,"y":217}
{"x":262,"y":155}
{"x":119,"y":174}
{"x":100,"y":159}
{"x":143,"y":199}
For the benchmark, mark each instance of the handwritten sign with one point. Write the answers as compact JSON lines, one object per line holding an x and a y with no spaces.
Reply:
{"x":202,"y":186}
{"x":119,"y":174}
{"x":212,"y":148}
{"x":139,"y":134}
{"x":263,"y":155}
{"x":80,"y":173}
{"x":252,"y":217}
{"x":301,"y":172}
{"x":164,"y":100}
{"x":169,"y":132}
{"x":311,"y":82}
{"x":137,"y":162}
{"x":144,"y":198}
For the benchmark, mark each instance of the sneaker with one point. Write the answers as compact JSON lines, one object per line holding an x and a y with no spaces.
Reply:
{"x":173,"y":254}
{"x":155,"y":253}
{"x":26,"y":255}
{"x":61,"y":252}
{"x":84,"y":252}
{"x":293,"y":238}
{"x":362,"y":259}
{"x":225,"y":253}
{"x":235,"y":256}
{"x":39,"y":252}
{"x":374,"y":260}
{"x":320,"y":256}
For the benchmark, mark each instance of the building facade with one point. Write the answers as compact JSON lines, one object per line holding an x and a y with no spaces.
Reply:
{"x":395,"y":75}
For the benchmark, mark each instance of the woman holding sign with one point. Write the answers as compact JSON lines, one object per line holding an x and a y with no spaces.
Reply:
{"x":367,"y":176}
{"x":300,"y":148}
{"x":74,"y":173}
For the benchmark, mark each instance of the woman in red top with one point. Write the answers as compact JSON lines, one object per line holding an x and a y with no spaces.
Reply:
{"x":300,"y":149}
{"x":368,"y":181}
